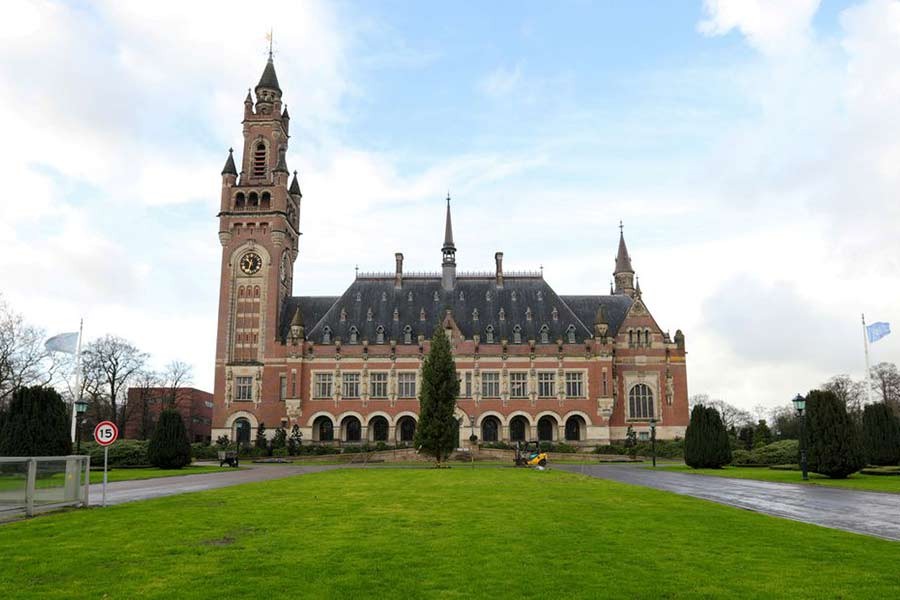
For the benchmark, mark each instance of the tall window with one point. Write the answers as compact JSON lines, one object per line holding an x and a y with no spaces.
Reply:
{"x":243,"y":388}
{"x":326,"y":335}
{"x":406,"y":385}
{"x":259,"y":160}
{"x":378,"y":384}
{"x":545,"y":334}
{"x":575,"y":385}
{"x":605,"y":384}
{"x":350,"y":385}
{"x":489,"y":335}
{"x":490,"y":384}
{"x":407,"y":335}
{"x":379,"y":335}
{"x":570,"y":333}
{"x":546,"y":384}
{"x":354,"y":335}
{"x":518,"y":384}
{"x":640,"y":402}
{"x":467,"y":386}
{"x":324,"y":385}
{"x":517,"y":335}
{"x":283,"y":387}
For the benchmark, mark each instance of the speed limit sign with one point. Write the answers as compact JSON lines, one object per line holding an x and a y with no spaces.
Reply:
{"x":105,"y":433}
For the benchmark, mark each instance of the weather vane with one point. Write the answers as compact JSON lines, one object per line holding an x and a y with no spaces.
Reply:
{"x":269,"y":37}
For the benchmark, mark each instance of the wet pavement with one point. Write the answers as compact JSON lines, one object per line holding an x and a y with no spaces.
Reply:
{"x":143,"y":489}
{"x":869,"y":513}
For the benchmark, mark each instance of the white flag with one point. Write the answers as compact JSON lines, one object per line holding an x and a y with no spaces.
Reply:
{"x":64,"y":342}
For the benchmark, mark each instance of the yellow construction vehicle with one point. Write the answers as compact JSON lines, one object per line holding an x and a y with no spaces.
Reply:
{"x":528,"y":454}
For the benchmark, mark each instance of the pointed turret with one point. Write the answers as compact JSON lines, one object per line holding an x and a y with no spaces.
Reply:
{"x":229,"y":168}
{"x":294,"y":190}
{"x":601,"y":325}
{"x":624,"y":273}
{"x":448,"y":278}
{"x":269,"y":79}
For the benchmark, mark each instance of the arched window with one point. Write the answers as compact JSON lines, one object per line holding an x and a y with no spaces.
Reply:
{"x":647,"y":337}
{"x":630,"y":338}
{"x":326,"y":335}
{"x":259,"y":160}
{"x":517,"y":428}
{"x":489,"y":334}
{"x":352,"y":429}
{"x":379,"y":428}
{"x":323,"y":429}
{"x":570,"y":333}
{"x":640,"y":402}
{"x":546,"y":427}
{"x":265,"y":200}
{"x":407,"y":335}
{"x":242,"y":431}
{"x":490,"y":427}
{"x":239,"y":200}
{"x":545,"y":334}
{"x":354,"y":335}
{"x":379,"y":335}
{"x":253,"y":199}
{"x":407,"y":427}
{"x":517,"y":335}
{"x":575,"y":427}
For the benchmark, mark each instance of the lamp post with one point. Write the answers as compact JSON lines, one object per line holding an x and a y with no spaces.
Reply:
{"x":80,"y":408}
{"x":653,"y":439}
{"x":472,"y":418}
{"x":800,"y":405}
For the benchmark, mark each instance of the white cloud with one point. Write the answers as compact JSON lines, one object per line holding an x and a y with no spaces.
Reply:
{"x":501,"y":82}
{"x":771,"y":26}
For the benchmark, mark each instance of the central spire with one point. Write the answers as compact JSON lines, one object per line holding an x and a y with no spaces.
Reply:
{"x":448,"y":274}
{"x":624,"y":273}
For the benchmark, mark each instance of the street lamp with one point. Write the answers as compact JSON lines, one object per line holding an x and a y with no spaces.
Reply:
{"x":80,"y":408}
{"x":800,"y":405}
{"x":472,"y":418}
{"x":653,"y":439}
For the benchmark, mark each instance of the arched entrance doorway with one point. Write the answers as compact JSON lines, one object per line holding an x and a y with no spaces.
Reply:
{"x":242,"y":431}
{"x":575,"y":429}
{"x":547,"y":428}
{"x":406,"y":429}
{"x":323,"y":429}
{"x":490,"y":429}
{"x":351,"y":429}
{"x":518,"y":429}
{"x":379,"y":428}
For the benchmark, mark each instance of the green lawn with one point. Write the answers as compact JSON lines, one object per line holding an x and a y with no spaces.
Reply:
{"x":17,"y":481}
{"x":858,"y":481}
{"x":454,"y":533}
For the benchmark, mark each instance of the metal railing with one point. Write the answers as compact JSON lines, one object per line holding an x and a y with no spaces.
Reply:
{"x":32,"y":484}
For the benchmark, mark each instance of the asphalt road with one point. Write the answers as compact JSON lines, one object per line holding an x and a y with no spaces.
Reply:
{"x":869,"y":513}
{"x":143,"y":489}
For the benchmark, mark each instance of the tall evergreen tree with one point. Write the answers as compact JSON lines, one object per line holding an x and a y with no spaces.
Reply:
{"x":36,"y":423}
{"x":706,"y":444}
{"x":169,"y":447}
{"x":437,"y":428}
{"x":834,"y":448}
{"x":762,"y":436}
{"x":881,"y":435}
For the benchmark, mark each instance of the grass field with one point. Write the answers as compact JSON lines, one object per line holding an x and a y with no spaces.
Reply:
{"x":454,"y":533}
{"x":17,"y":481}
{"x":858,"y":481}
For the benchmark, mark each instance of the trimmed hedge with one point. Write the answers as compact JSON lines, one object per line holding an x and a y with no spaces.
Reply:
{"x":202,"y":451}
{"x":122,"y":453}
{"x":777,"y":453}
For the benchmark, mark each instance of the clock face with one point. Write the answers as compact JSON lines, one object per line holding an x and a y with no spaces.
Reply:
{"x":251,"y":263}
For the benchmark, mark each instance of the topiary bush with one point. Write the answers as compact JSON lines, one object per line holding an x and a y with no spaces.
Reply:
{"x":834,"y":448}
{"x":36,"y":423}
{"x":201,"y":451}
{"x":169,"y":447}
{"x":706,"y":444}
{"x":881,"y":435}
{"x":122,"y":453}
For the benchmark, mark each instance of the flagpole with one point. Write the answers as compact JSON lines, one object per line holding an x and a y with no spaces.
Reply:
{"x":77,"y":395}
{"x":868,"y":369}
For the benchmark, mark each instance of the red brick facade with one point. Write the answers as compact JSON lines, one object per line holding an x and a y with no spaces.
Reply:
{"x":145,"y":404}
{"x":532,"y":364}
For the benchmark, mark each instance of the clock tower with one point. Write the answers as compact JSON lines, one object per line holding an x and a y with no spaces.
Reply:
{"x":258,"y":228}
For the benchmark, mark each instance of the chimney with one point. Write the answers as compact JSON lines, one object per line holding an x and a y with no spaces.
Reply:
{"x":498,"y":259}
{"x":398,"y":273}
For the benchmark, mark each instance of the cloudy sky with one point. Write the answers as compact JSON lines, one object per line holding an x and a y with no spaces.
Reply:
{"x":752,"y":148}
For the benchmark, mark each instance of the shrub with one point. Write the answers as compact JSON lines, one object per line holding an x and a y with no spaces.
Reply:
{"x":631,"y":442}
{"x":122,"y":453}
{"x":740,"y":457}
{"x":762,"y":435}
{"x":777,"y":453}
{"x":222,"y":441}
{"x":280,"y":439}
{"x":280,"y":452}
{"x":833,"y":442}
{"x":497,"y":445}
{"x":261,"y":441}
{"x":295,"y":442}
{"x":564,"y":448}
{"x":881,"y":435}
{"x":382,"y":446}
{"x":706,"y":442}
{"x":169,"y":447}
{"x":203,"y":451}
{"x":36,"y":423}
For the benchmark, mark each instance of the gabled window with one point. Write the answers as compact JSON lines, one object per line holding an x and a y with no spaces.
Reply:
{"x":570,"y":333}
{"x":517,"y":335}
{"x":379,"y":335}
{"x":545,"y":334}
{"x":354,"y":335}
{"x":326,"y":335}
{"x":407,"y":335}
{"x":489,"y":334}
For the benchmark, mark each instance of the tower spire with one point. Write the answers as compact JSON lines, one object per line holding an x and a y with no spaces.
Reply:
{"x":448,"y":272}
{"x":624,"y":273}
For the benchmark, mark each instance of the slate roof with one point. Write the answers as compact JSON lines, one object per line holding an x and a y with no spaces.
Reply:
{"x":269,"y":80}
{"x":476,"y":304}
{"x":623,"y":261}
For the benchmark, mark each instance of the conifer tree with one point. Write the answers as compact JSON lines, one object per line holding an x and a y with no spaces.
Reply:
{"x":881,"y":435}
{"x":36,"y":423}
{"x":261,"y":441}
{"x":834,"y":448}
{"x":706,"y":444}
{"x":437,"y":428}
{"x":631,"y":442}
{"x":762,"y":435}
{"x":169,"y":447}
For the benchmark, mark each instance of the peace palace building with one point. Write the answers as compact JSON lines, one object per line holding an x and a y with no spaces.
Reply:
{"x":533,"y":364}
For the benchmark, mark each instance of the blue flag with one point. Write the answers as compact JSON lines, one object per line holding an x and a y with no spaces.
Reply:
{"x":878,"y":330}
{"x":64,"y":342}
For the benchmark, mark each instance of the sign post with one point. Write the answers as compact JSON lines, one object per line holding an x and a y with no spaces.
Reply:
{"x":105,"y":433}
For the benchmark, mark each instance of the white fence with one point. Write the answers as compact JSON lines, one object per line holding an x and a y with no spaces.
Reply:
{"x":29,"y":485}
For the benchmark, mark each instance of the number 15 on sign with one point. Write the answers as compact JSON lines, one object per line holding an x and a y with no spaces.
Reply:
{"x":105,"y":433}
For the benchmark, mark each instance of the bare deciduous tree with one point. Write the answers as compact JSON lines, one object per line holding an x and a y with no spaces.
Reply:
{"x":852,"y":394}
{"x":116,"y":362}
{"x":24,"y":361}
{"x":886,"y":384}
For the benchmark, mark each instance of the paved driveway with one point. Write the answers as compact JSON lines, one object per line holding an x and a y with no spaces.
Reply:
{"x":870,"y":513}
{"x":142,"y":489}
